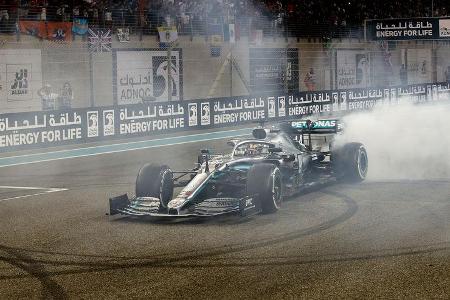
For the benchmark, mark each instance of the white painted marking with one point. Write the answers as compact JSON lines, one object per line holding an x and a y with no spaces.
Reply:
{"x":139,"y":142}
{"x":48,"y":191}
{"x":106,"y":152}
{"x":23,"y":187}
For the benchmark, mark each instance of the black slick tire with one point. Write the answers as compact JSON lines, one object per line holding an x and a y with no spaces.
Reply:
{"x":155,"y":181}
{"x":264,"y":183}
{"x":351,"y":163}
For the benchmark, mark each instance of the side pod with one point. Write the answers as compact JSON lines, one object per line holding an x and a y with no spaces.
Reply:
{"x":118,"y":203}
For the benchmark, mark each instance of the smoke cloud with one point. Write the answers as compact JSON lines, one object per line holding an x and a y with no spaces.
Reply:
{"x":403,"y":142}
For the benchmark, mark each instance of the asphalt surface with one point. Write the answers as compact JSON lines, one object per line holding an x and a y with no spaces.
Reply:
{"x":377,"y":239}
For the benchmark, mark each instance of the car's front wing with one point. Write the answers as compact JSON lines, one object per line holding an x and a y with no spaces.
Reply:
{"x":150,"y":207}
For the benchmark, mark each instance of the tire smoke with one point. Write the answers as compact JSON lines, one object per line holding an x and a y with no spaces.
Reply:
{"x":403,"y":142}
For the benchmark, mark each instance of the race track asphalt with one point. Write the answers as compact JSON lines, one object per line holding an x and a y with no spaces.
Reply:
{"x":378,"y":239}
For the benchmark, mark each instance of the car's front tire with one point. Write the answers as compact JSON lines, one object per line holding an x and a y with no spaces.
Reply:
{"x":265,"y":185}
{"x":155,"y":181}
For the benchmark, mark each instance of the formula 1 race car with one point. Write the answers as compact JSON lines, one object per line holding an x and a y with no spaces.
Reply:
{"x":255,"y":177}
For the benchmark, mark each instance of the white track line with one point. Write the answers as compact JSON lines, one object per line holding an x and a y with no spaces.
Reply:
{"x":23,"y":187}
{"x":139,"y":142}
{"x":106,"y":152}
{"x":48,"y":191}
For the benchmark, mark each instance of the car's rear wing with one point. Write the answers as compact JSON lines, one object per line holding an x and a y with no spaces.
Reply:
{"x":326,"y":126}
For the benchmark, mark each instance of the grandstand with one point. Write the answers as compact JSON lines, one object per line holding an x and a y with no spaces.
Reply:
{"x":319,"y":18}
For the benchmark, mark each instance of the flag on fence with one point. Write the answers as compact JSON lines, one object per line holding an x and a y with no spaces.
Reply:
{"x":99,"y":40}
{"x":34,"y":28}
{"x":232,"y":33}
{"x":123,"y":34}
{"x":229,"y":33}
{"x":167,"y":34}
{"x":216,"y":35}
{"x":387,"y":56}
{"x":256,"y":37}
{"x":215,"y":31}
{"x":216,"y":40}
{"x":80,"y":26}
{"x":59,"y":31}
{"x":215,"y":51}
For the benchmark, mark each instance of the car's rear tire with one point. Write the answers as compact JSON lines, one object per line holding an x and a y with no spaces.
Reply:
{"x":265,"y":185}
{"x":351,"y":162}
{"x":155,"y":181}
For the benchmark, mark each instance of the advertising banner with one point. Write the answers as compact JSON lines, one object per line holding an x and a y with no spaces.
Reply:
{"x":52,"y":128}
{"x":352,"y":69}
{"x":408,"y":29}
{"x":274,"y":69}
{"x":141,"y":75}
{"x":302,"y":104}
{"x":37,"y":129}
{"x":238,"y":110}
{"x":364,"y":99}
{"x":419,"y":65}
{"x":151,"y":118}
{"x":20,"y":78}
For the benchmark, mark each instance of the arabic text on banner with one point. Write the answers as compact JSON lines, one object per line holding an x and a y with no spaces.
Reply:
{"x":409,"y":29}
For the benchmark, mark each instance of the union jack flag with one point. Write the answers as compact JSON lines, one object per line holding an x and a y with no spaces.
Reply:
{"x":99,"y":40}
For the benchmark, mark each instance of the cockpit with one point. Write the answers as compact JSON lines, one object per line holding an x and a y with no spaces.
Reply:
{"x":260,"y":147}
{"x":252,"y":149}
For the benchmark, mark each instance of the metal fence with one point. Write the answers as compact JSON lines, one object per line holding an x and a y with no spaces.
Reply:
{"x":287,"y":56}
{"x":145,"y":22}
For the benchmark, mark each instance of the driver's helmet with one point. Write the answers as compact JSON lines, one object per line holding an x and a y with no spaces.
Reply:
{"x":254,"y":149}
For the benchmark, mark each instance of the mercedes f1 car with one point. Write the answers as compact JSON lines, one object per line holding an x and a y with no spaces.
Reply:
{"x":255,"y":177}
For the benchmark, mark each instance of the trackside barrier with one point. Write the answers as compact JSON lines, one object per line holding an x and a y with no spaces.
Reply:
{"x":20,"y":131}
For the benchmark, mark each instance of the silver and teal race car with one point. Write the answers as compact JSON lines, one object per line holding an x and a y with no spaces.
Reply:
{"x":260,"y":172}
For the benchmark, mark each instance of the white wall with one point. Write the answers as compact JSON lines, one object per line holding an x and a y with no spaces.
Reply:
{"x":71,"y":62}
